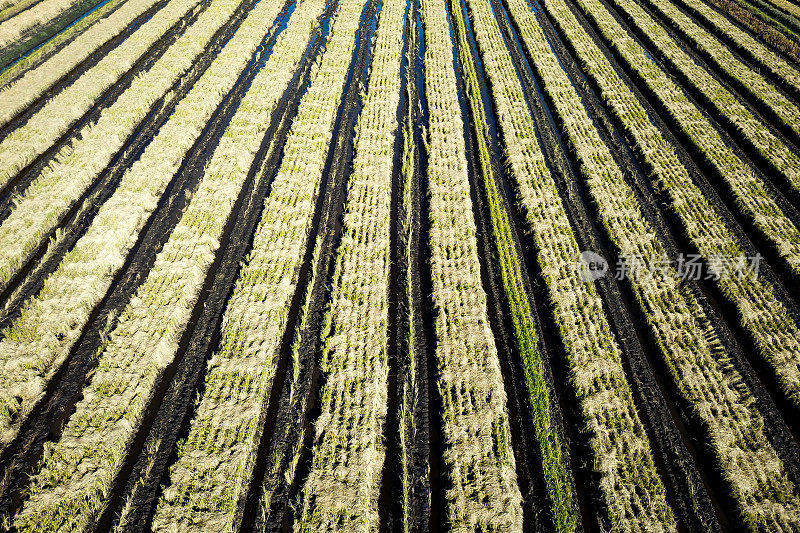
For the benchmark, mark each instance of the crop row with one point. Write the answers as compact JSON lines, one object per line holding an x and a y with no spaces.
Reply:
{"x":699,"y":367}
{"x":764,"y":317}
{"x":479,"y":461}
{"x":769,"y":14}
{"x":22,"y":145}
{"x":750,"y":192}
{"x":553,"y":454}
{"x":632,"y":493}
{"x":348,"y":452}
{"x":210,"y":479}
{"x":68,"y":493}
{"x":787,"y":6}
{"x":781,"y":158}
{"x":9,"y":8}
{"x":408,"y":337}
{"x":76,"y":166}
{"x":773,"y":26}
{"x":19,"y":25}
{"x":39,"y":54}
{"x":40,"y":338}
{"x":745,"y":43}
{"x":34,"y":83}
{"x":341,"y":491}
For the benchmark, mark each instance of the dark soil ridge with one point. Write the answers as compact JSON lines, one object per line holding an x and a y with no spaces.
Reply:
{"x":673,"y":460}
{"x":158,"y":112}
{"x":496,"y":304}
{"x":402,"y":502}
{"x":727,"y":309}
{"x":76,"y":72}
{"x":407,"y":500}
{"x":432,"y":405}
{"x":777,"y":13}
{"x":767,"y":23}
{"x":536,"y":505}
{"x":12,"y":15}
{"x":43,"y":55}
{"x":41,"y":33}
{"x":549,"y":139}
{"x":774,"y":186}
{"x":767,"y":117}
{"x":775,"y":427}
{"x":785,"y":289}
{"x":211,"y":296}
{"x":788,"y":20}
{"x":745,"y":53}
{"x":285,"y":410}
{"x":79,"y":217}
{"x":150,"y":474}
{"x":625,"y":334}
{"x":420,"y":428}
{"x":27,"y":174}
{"x":20,"y":458}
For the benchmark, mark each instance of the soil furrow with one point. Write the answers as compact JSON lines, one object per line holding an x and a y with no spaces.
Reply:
{"x":34,"y":57}
{"x":28,"y":173}
{"x":21,"y":456}
{"x":549,"y":139}
{"x":520,"y":441}
{"x":133,"y":503}
{"x":674,"y":461}
{"x":75,"y":72}
{"x":698,"y":177}
{"x":767,"y":116}
{"x":10,"y":13}
{"x":39,"y":34}
{"x":270,"y":491}
{"x":762,"y":243}
{"x":342,"y":306}
{"x":743,"y":54}
{"x":433,"y":415}
{"x":537,"y":505}
{"x":325,"y":229}
{"x":412,"y":472}
{"x":171,"y":423}
{"x":775,"y":428}
{"x":77,"y":219}
{"x":392,"y":505}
